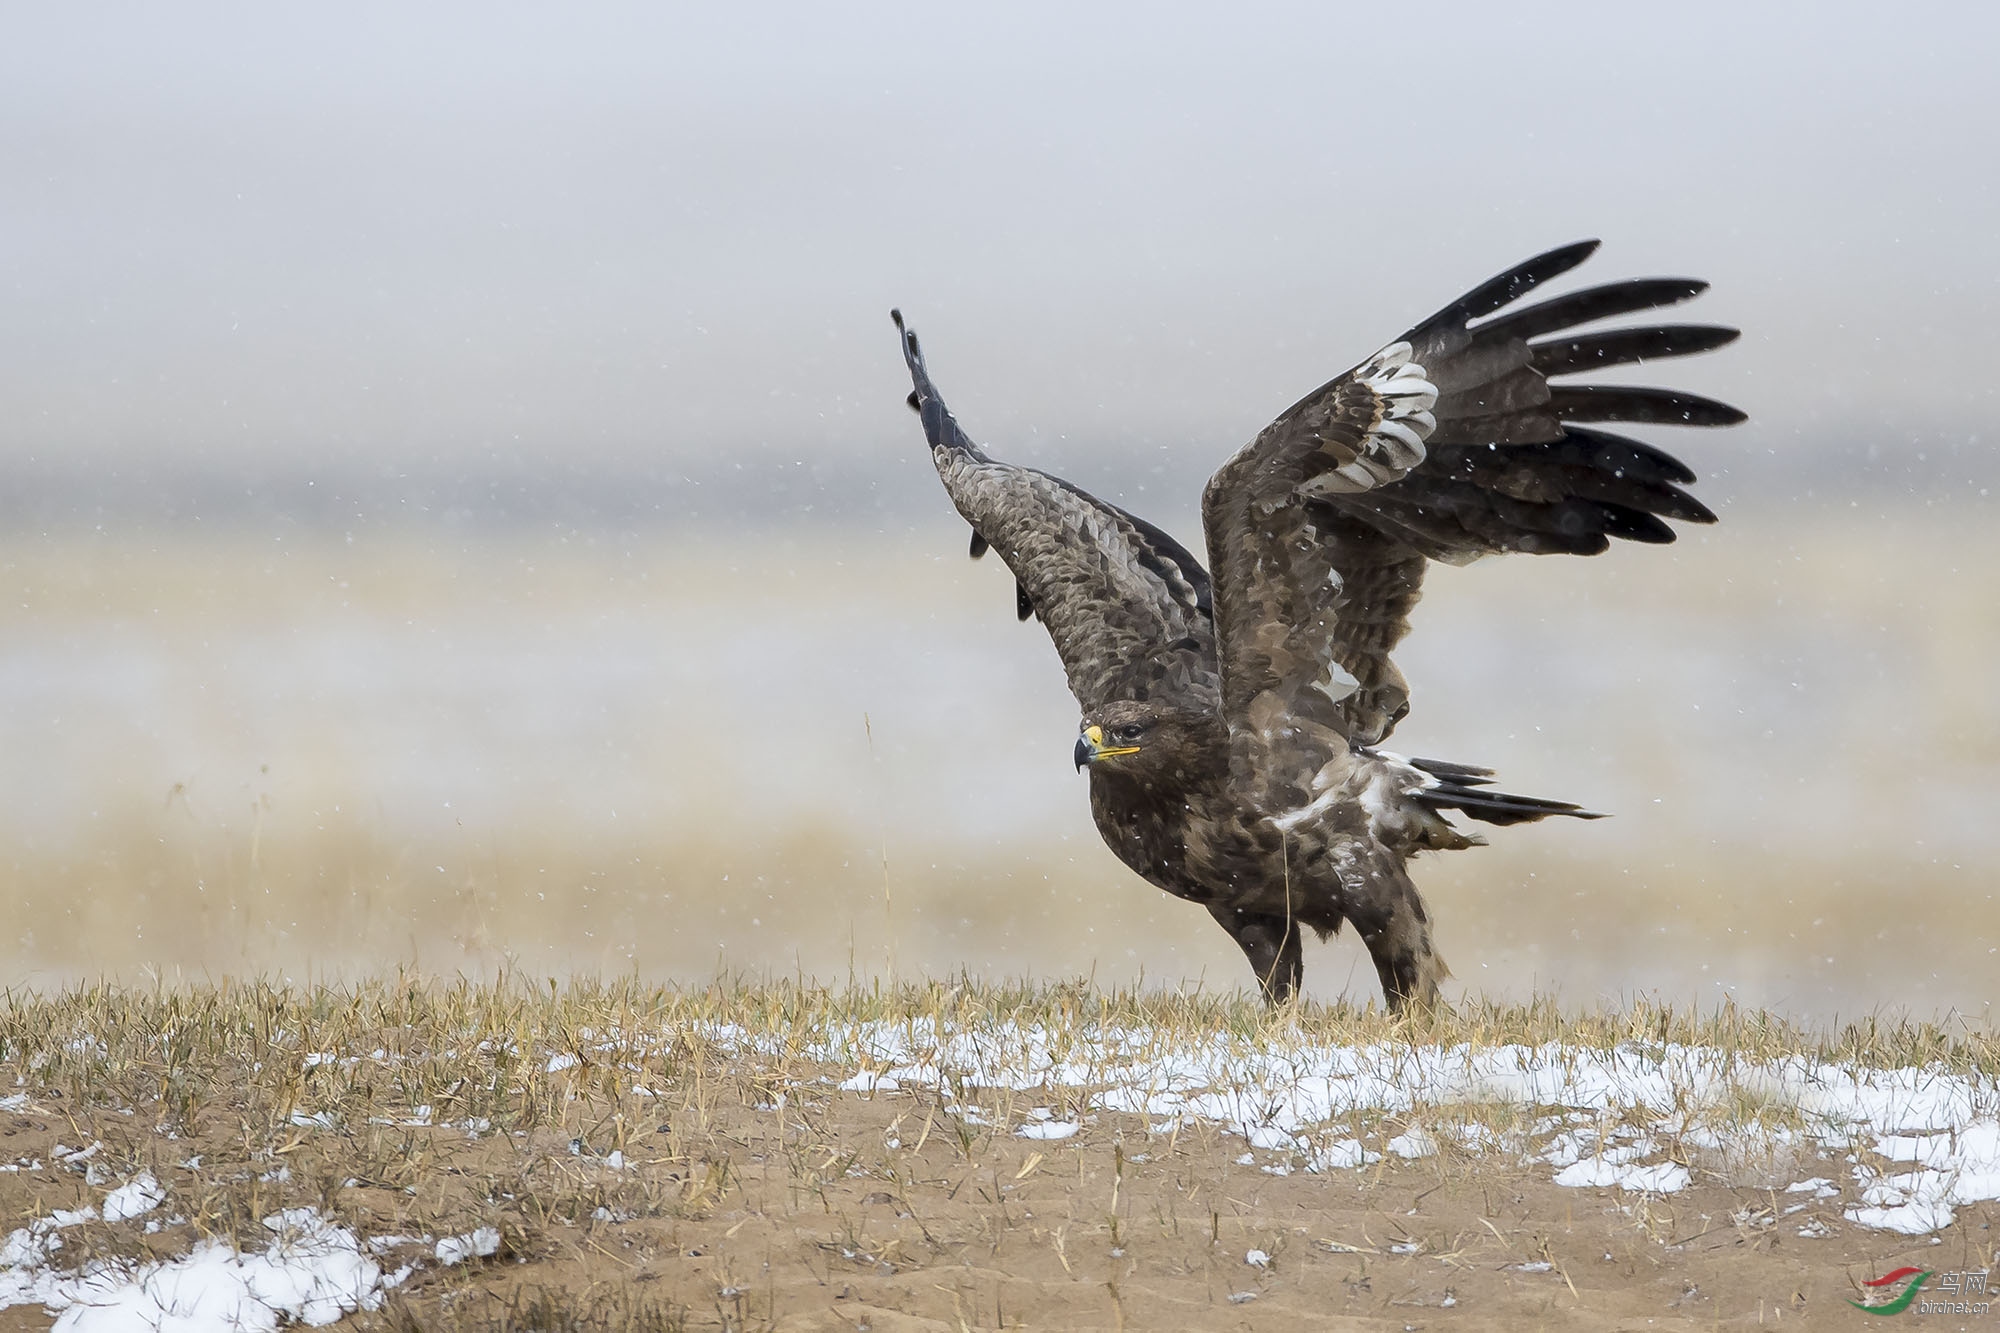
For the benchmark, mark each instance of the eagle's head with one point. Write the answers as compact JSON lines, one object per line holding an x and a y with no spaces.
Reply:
{"x":1136,"y":737}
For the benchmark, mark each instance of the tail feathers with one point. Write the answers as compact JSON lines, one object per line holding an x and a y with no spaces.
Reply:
{"x":1464,"y":775}
{"x":1466,"y":789}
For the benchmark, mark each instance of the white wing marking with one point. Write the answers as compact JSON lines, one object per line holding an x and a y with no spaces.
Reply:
{"x":1396,"y":445}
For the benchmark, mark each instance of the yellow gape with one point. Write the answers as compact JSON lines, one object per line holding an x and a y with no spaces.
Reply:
{"x":1094,"y":737}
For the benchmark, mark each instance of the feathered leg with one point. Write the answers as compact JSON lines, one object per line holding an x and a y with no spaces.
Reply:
{"x":1271,"y":943}
{"x":1389,"y":915}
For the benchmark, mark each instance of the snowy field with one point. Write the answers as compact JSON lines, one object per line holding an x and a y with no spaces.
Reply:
{"x":1839,"y":1144}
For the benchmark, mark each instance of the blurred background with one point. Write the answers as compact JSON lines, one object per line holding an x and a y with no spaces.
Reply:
{"x":457,"y":506}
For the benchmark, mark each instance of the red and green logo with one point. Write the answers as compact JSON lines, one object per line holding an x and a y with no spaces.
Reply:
{"x":1913,"y":1278}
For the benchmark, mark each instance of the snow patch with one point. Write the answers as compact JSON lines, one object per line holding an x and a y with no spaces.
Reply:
{"x":1281,"y":1093}
{"x":135,"y":1198}
{"x":312,"y":1273}
{"x":866,"y":1081}
{"x":480,"y":1244}
{"x":1664,"y":1178}
{"x":1048,"y":1129}
{"x":1413,"y":1144}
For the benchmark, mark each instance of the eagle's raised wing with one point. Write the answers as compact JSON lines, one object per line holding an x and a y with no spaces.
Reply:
{"x":1127,"y":605}
{"x":1453,"y":442}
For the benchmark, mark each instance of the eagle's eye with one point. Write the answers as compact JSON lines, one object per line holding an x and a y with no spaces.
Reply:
{"x":1128,"y":733}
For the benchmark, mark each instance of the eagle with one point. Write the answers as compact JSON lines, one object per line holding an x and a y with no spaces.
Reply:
{"x":1233,"y":717}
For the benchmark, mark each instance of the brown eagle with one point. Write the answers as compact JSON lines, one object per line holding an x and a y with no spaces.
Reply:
{"x":1231,"y":717}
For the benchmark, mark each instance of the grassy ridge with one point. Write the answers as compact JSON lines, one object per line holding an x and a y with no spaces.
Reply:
{"x":471,"y":1049}
{"x":274,"y":1052}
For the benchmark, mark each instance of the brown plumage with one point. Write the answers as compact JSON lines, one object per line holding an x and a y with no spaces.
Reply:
{"x":1230,"y":723}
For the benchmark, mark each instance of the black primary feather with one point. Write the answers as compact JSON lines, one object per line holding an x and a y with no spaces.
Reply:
{"x":1622,"y":347}
{"x":1592,"y":304}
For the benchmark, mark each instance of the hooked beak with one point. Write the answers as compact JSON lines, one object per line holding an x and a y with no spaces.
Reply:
{"x":1090,"y":747}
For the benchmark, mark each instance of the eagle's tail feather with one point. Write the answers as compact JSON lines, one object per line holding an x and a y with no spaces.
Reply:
{"x":1467,"y":789}
{"x":1468,"y":775}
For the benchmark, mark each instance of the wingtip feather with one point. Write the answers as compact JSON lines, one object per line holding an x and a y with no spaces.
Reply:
{"x":912,"y":352}
{"x":1506,"y":288}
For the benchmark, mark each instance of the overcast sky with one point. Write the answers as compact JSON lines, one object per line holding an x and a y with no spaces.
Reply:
{"x":476,"y":237}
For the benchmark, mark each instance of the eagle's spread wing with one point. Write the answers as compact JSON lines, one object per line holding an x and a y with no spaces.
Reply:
{"x":1127,"y":605}
{"x":1453,"y":442}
